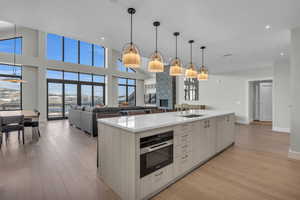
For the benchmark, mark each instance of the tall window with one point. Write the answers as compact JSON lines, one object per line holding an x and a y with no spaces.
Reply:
{"x":191,"y":89}
{"x":72,"y":88}
{"x":122,"y":68}
{"x":70,"y":50}
{"x":54,"y":47}
{"x":10,"y":93}
{"x":8,"y":45}
{"x":127,"y":91}
{"x":74,"y":51}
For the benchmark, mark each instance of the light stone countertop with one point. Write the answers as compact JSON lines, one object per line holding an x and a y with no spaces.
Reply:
{"x":140,"y":123}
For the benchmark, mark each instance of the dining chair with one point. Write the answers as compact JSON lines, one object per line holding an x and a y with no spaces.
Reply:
{"x":13,"y":123}
{"x":34,"y":123}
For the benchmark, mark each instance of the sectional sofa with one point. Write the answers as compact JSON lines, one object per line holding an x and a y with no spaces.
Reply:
{"x":85,"y":117}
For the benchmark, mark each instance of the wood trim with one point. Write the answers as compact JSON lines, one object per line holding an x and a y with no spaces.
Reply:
{"x":279,"y":129}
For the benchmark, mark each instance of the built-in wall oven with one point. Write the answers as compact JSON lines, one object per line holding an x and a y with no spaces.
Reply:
{"x":156,"y":152}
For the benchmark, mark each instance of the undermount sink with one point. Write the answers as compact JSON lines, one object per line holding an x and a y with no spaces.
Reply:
{"x":192,"y":116}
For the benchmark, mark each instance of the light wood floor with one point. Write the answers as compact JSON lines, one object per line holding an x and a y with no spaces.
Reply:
{"x":62,"y":165}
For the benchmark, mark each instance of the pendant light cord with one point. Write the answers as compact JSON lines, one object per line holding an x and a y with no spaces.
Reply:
{"x":131,"y":29}
{"x":191,"y":53}
{"x":202,"y":57}
{"x":176,"y":47}
{"x":15,"y":46}
{"x":156,"y":39}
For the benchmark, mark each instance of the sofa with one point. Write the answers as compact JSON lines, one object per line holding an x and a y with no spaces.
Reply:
{"x":85,"y":117}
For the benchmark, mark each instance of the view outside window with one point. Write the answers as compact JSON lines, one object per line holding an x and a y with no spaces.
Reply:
{"x":54,"y":47}
{"x":8,"y":46}
{"x":10,"y":93}
{"x":127,"y":91}
{"x":74,"y":51}
{"x":70,"y":88}
{"x":86,"y":95}
{"x":99,"y":56}
{"x":70,"y":97}
{"x":86,"y":55}
{"x":55,"y":100}
{"x":98,"y":95}
{"x":70,"y":50}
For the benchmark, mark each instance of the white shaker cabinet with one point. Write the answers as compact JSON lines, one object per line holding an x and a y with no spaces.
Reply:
{"x":225,"y":131}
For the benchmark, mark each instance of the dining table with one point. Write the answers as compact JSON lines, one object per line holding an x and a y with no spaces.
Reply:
{"x":28,"y":114}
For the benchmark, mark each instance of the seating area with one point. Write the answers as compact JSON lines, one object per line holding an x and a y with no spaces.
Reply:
{"x":85,"y":117}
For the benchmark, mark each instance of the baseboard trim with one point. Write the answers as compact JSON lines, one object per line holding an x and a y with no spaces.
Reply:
{"x":279,"y":129}
{"x":294,"y":155}
{"x":243,"y":122}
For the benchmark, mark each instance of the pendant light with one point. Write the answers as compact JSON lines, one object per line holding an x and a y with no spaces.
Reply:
{"x":13,"y":79}
{"x":203,"y":73}
{"x":130,"y":55}
{"x":191,"y":71}
{"x":156,"y":63}
{"x":175,"y":65}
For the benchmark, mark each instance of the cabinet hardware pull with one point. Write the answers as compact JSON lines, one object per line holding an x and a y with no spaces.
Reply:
{"x":160,"y":173}
{"x":184,"y":136}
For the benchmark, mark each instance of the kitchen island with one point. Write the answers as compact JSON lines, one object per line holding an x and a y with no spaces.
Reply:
{"x":141,"y":155}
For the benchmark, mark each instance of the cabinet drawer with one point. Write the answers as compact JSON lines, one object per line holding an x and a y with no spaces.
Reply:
{"x":182,"y":138}
{"x":156,"y":180}
{"x":182,"y":149}
{"x":185,"y":128}
{"x":182,"y":164}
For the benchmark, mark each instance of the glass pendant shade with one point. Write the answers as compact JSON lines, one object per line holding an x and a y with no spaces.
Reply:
{"x":203,"y":74}
{"x":131,"y":56}
{"x":156,"y":63}
{"x":191,"y":71}
{"x":175,"y":67}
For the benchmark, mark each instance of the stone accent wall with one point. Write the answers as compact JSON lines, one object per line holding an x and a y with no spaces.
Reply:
{"x":165,"y":88}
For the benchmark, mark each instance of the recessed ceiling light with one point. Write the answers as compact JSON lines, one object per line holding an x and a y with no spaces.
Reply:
{"x":268,"y":27}
{"x":282,"y":54}
{"x":102,"y":38}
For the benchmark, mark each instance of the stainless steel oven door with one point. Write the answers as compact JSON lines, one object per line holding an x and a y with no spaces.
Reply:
{"x":155,"y":157}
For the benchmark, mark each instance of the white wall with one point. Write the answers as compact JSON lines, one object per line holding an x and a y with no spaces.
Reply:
{"x":29,"y":89}
{"x":228,"y":91}
{"x":281,"y":96}
{"x":295,"y":91}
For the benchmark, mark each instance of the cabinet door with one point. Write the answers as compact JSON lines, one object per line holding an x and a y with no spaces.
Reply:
{"x":230,"y":129}
{"x":197,"y":142}
{"x":211,"y":132}
{"x":156,"y":180}
{"x":221,"y":132}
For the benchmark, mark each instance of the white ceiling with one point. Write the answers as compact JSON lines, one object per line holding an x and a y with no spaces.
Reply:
{"x":227,"y":26}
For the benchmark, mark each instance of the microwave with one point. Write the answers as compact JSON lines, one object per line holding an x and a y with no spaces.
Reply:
{"x":156,"y":152}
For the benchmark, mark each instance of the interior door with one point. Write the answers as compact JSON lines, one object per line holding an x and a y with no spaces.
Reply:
{"x":55,"y":100}
{"x":266,"y":101}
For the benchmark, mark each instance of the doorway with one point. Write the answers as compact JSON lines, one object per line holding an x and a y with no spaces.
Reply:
{"x":260,"y":101}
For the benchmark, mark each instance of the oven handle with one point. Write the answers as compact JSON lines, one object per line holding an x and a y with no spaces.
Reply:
{"x":156,"y":147}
